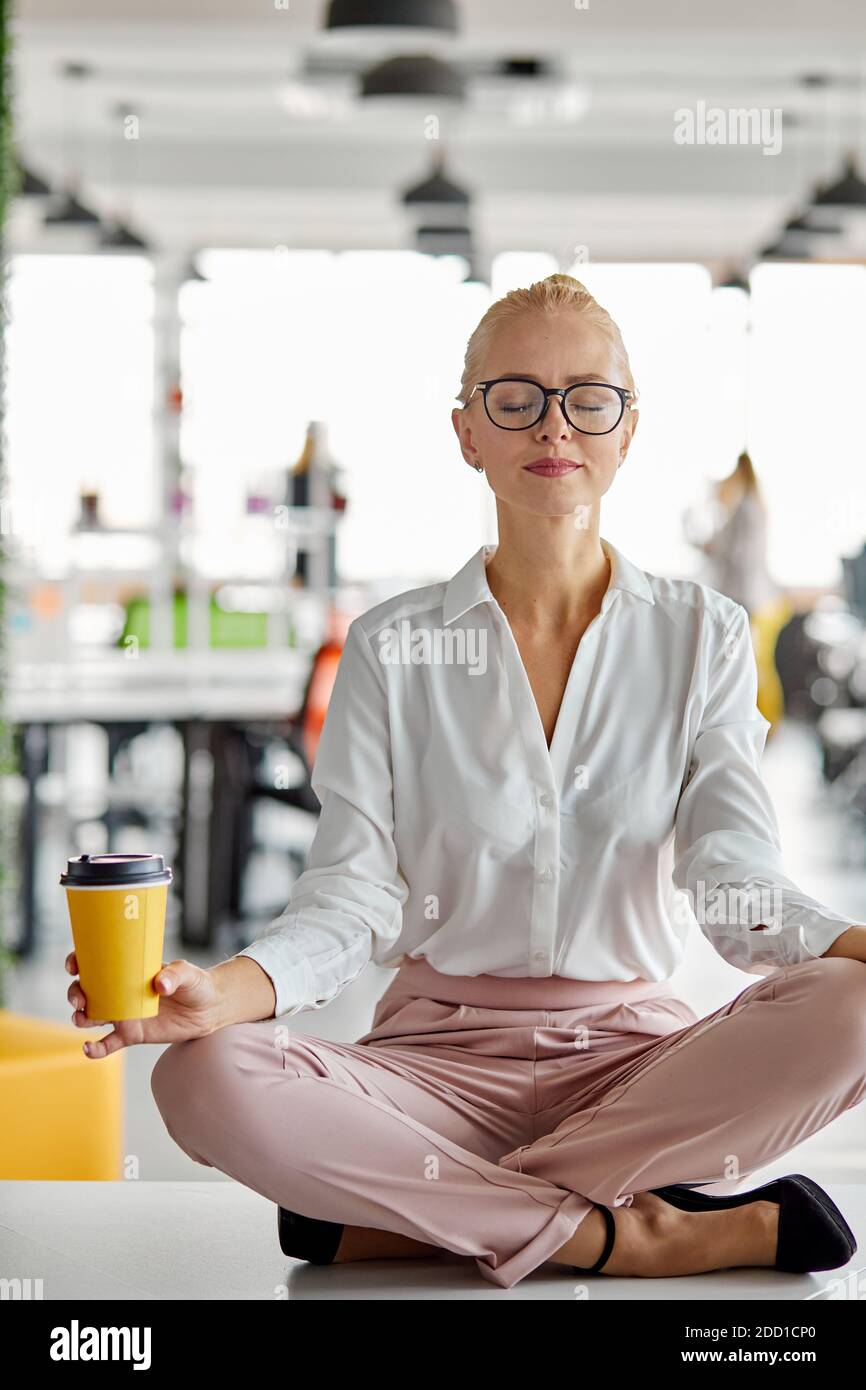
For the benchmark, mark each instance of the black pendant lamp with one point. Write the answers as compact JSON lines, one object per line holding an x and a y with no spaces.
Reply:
{"x":439,"y":16}
{"x":804,"y":225}
{"x":438,"y":240}
{"x":414,"y":75}
{"x":436,"y":191}
{"x":785,"y":249}
{"x":119,"y":236}
{"x":69,"y":211}
{"x":848,"y":192}
{"x":30,"y":185}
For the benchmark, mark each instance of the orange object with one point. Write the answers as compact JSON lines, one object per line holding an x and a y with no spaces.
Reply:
{"x":321,"y":682}
{"x":46,"y":600}
{"x":324,"y":673}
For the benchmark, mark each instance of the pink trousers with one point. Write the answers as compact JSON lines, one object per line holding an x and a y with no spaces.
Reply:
{"x":486,"y":1115}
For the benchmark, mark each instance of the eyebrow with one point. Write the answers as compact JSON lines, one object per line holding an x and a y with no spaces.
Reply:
{"x":569,"y":380}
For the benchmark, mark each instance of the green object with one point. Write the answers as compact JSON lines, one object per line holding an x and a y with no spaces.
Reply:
{"x":227,"y":629}
{"x":9,"y":181}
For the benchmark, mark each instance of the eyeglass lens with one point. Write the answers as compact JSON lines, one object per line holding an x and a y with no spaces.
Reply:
{"x":515,"y":405}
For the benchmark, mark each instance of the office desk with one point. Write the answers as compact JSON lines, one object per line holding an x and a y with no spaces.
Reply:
{"x":204,"y":695}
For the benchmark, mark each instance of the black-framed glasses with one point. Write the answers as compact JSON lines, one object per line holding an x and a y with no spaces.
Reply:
{"x":518,"y":403}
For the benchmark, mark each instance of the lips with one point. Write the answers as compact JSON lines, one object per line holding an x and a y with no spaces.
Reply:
{"x":552,"y":467}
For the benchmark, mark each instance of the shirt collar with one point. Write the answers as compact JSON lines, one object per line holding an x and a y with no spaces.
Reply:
{"x":469,"y":585}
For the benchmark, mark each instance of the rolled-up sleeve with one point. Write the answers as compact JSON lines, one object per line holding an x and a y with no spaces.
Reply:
{"x":727,"y":848}
{"x":350,"y":897}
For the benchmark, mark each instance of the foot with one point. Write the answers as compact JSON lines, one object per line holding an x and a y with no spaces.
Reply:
{"x":656,"y":1240}
{"x":366,"y":1243}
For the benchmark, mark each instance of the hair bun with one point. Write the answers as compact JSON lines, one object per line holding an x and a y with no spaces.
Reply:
{"x":560,"y":278}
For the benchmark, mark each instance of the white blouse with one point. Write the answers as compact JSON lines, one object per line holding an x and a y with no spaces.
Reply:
{"x":449,"y":830}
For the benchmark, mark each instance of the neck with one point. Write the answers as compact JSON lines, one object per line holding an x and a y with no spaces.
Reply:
{"x":550,"y":577}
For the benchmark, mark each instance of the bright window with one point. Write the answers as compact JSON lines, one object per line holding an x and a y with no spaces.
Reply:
{"x":806,"y":393}
{"x":79,"y":395}
{"x":373,"y":343}
{"x":370,"y":342}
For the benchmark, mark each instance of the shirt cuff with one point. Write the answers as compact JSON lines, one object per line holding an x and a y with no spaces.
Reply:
{"x":818,"y":930}
{"x":294,"y":985}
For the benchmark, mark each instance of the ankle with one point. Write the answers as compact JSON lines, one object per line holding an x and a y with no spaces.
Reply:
{"x":369,"y":1243}
{"x":586,"y":1243}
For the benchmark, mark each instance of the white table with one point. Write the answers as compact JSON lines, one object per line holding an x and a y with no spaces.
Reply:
{"x":201,"y":693}
{"x":235,"y":683}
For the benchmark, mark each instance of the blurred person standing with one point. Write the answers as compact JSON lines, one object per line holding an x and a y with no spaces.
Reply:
{"x":736,"y":565}
{"x":736,"y":550}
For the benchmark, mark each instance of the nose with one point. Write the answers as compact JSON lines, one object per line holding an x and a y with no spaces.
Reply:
{"x":548,"y":424}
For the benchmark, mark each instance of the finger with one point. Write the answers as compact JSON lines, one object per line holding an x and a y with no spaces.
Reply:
{"x":71,"y":964}
{"x":103,"y":1047}
{"x":80,"y":1019}
{"x":177,"y":975}
{"x":75,"y":995}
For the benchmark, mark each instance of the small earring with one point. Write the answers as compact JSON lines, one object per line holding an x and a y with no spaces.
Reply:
{"x":479,"y":466}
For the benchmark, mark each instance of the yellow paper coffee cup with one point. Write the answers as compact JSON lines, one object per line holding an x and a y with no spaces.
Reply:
{"x":117,"y":908}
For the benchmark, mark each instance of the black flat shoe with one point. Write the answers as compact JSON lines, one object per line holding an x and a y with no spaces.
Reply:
{"x":813,"y":1233}
{"x":608,"y":1244}
{"x":306,"y":1238}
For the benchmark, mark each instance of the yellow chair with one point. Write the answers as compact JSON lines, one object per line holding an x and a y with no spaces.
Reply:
{"x":61,"y":1114}
{"x":766,"y":624}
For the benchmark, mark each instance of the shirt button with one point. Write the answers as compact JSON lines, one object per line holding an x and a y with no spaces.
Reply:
{"x":539,"y":955}
{"x":546,"y":799}
{"x":546,"y":874}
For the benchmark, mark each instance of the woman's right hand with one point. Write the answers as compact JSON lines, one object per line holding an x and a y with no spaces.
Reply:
{"x":188,"y":1008}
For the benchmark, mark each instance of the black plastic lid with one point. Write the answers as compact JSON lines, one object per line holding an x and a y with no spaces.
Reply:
{"x":93,"y":870}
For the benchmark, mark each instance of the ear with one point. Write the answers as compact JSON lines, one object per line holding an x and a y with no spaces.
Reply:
{"x":628,"y":436}
{"x":459,"y":427}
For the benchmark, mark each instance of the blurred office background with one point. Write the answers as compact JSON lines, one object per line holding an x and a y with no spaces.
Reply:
{"x":243,"y":262}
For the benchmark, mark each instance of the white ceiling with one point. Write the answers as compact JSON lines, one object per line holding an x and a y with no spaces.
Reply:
{"x":251,"y":132}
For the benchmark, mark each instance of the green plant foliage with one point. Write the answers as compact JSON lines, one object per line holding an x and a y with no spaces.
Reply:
{"x":9,"y":182}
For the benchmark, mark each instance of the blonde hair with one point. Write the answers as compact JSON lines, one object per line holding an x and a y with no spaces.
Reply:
{"x":555,"y":292}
